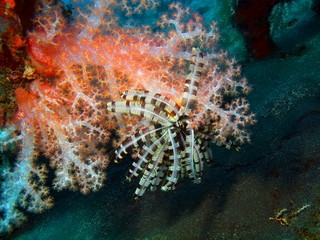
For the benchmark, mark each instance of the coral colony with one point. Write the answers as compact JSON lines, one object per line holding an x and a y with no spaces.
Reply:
{"x":166,"y":90}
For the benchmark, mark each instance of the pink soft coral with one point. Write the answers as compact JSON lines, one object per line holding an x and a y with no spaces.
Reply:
{"x":64,"y":137}
{"x":91,"y":60}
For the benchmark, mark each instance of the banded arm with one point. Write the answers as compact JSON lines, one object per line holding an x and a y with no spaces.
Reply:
{"x":189,"y":99}
{"x":169,"y":106}
{"x":136,"y":140}
{"x":153,"y":167}
{"x":174,"y":169}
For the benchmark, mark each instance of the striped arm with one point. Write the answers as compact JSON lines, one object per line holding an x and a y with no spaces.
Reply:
{"x":190,"y":155}
{"x":194,"y":158}
{"x":183,"y":165}
{"x":155,"y":99}
{"x":146,"y":110}
{"x":206,"y":150}
{"x":158,"y":178}
{"x":207,"y":132}
{"x":174,"y":159}
{"x":189,"y":100}
{"x":135,"y":140}
{"x":144,"y":157}
{"x":152,"y":170}
{"x":198,"y":157}
{"x":185,"y":151}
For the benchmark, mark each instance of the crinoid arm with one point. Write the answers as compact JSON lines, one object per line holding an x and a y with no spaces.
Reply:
{"x":136,"y":140}
{"x":171,"y":108}
{"x":149,"y":111}
{"x":145,"y":156}
{"x":174,"y":162}
{"x":189,"y":97}
{"x":155,"y":158}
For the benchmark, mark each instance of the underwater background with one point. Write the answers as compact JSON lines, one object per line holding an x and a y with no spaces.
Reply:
{"x":268,"y":190}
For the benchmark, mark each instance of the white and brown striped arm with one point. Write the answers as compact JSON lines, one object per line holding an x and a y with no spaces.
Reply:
{"x":144,"y":156}
{"x":136,"y":140}
{"x":147,"y":110}
{"x":205,"y":150}
{"x":156,"y":99}
{"x":190,"y":153}
{"x":163,"y":168}
{"x":174,"y":162}
{"x":152,"y":169}
{"x":189,"y":97}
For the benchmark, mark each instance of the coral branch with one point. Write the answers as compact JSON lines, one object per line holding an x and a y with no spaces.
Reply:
{"x":171,"y":76}
{"x":24,"y":185}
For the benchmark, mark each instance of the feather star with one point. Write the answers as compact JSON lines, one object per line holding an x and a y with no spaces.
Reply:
{"x":169,"y":147}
